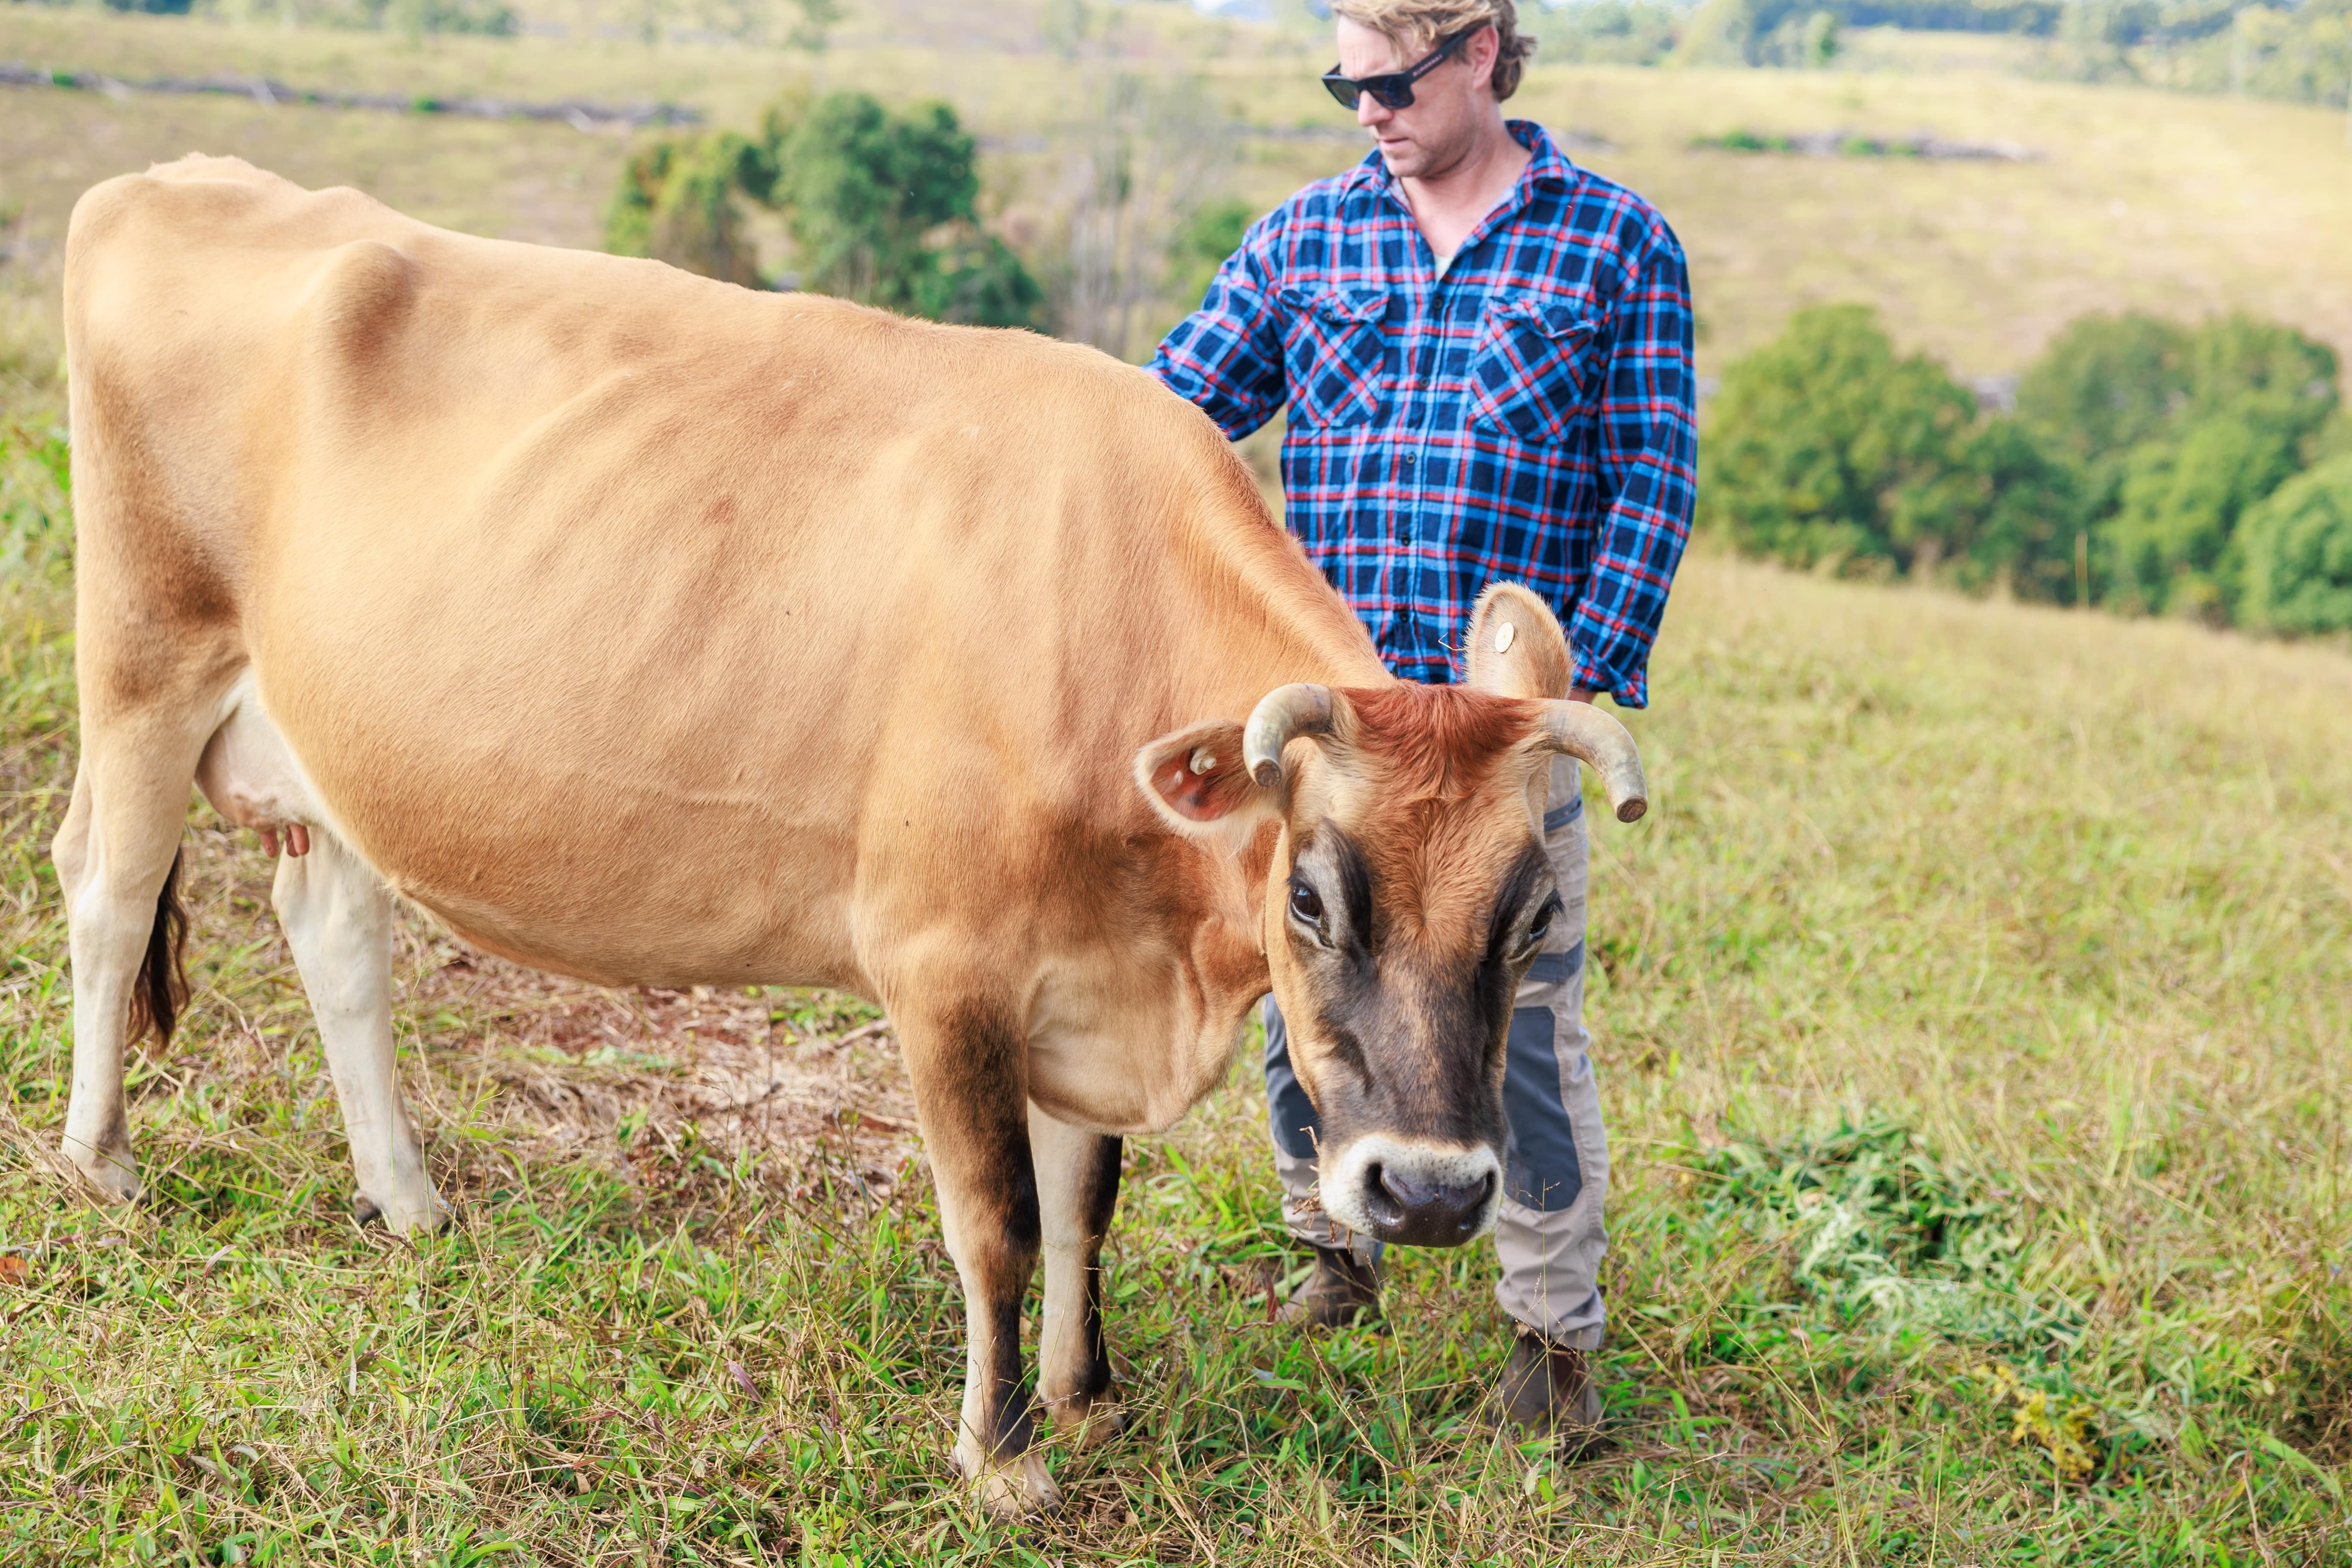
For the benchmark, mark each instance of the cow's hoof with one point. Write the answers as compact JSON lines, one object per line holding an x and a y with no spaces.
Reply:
{"x":112,"y":1173}
{"x":1097,"y":1424}
{"x":404,"y":1218}
{"x":1015,"y":1489}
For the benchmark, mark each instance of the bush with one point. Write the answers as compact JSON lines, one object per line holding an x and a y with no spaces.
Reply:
{"x":2298,"y":553}
{"x":2177,"y":431}
{"x":1828,"y":449}
{"x":881,"y":209}
{"x":2032,"y":509}
{"x":677,"y":204}
{"x":2169,"y":549}
{"x":2105,"y":383}
{"x":2184,"y":429}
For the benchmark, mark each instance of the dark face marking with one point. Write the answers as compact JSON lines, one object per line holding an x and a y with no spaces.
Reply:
{"x":1411,"y":1013}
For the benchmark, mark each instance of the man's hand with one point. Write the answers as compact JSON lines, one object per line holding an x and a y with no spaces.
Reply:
{"x":1580,"y":694}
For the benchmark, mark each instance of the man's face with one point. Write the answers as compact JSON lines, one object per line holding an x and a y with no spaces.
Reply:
{"x":1450,"y":105}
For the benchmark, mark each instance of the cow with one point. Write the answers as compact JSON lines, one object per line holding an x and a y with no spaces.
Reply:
{"x":655,"y":631}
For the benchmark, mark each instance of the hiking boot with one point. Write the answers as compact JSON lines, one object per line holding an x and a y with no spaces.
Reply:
{"x":1548,"y":1389}
{"x":1343,"y":1290}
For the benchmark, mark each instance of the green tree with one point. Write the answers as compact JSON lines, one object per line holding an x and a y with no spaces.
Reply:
{"x":2169,"y":545}
{"x":2181,"y":429}
{"x":1828,"y":449}
{"x":881,"y":207}
{"x":677,"y":202}
{"x":2266,"y":373}
{"x":2105,"y":383}
{"x":2298,"y":553}
{"x":2032,"y":507}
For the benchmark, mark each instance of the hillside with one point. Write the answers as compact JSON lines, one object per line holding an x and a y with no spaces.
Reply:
{"x":1970,"y":1014}
{"x":2180,"y":205}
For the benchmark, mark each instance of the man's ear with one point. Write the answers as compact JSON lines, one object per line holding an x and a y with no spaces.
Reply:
{"x":1516,"y":646}
{"x":1195,"y":780}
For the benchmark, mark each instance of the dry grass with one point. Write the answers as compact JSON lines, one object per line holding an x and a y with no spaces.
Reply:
{"x":2180,"y":205}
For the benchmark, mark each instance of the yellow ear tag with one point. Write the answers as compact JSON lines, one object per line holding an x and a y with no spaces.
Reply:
{"x":1504,"y":635}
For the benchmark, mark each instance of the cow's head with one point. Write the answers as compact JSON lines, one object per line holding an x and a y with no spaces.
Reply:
{"x":1407,"y":894}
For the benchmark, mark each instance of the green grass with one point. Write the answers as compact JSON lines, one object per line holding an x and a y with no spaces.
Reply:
{"x":1972,"y":1016}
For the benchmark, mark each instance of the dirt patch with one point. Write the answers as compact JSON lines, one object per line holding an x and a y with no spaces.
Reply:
{"x":774,"y":1085}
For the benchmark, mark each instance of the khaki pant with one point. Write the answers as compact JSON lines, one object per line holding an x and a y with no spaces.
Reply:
{"x":1549,"y":1237}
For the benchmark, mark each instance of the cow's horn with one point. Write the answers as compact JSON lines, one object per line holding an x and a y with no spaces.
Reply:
{"x":1283,"y":714}
{"x":1592,"y":737}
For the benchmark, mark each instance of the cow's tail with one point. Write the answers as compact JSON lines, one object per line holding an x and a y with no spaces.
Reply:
{"x":162,"y":988}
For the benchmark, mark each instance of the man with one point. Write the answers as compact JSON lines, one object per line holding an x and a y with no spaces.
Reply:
{"x":1486,"y":356}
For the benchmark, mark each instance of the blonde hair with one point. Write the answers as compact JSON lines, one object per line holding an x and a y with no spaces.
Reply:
{"x":1417,"y":26}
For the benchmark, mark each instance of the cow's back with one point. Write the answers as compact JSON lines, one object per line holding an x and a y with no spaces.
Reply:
{"x":635,"y":623}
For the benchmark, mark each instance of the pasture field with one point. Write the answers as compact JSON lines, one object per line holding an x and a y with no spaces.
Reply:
{"x":1973,"y":1015}
{"x":2180,"y":205}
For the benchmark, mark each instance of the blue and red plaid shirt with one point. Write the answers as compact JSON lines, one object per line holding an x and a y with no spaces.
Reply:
{"x":1528,"y":416}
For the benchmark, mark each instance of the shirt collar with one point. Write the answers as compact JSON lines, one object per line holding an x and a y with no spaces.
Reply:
{"x":1549,"y":166}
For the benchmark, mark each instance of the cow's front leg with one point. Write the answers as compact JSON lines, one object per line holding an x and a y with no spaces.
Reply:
{"x":1077,"y":1187}
{"x":970,"y":1091}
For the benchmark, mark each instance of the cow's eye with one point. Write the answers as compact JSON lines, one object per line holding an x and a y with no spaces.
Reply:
{"x":1307,"y":904}
{"x":1541,"y":927}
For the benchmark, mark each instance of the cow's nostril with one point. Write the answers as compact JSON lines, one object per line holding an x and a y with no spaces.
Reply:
{"x":1408,"y":1194}
{"x":1478,"y":1204}
{"x":1425,"y":1211}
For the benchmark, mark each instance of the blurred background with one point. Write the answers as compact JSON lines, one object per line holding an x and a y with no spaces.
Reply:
{"x":2089,"y":253}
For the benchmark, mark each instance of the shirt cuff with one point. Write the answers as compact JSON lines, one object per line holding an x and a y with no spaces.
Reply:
{"x":1632,"y":691}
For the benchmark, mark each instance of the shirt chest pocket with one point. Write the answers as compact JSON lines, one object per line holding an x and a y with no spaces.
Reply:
{"x":1532,"y":370}
{"x":1333,"y":353}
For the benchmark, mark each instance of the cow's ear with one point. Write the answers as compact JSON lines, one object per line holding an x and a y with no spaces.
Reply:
{"x":1195,"y":780}
{"x":1516,"y":646}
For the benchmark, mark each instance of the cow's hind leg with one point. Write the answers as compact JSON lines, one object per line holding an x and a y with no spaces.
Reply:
{"x":1077,"y":1187}
{"x":968,"y":1068}
{"x":117,"y":855}
{"x":337,"y":915}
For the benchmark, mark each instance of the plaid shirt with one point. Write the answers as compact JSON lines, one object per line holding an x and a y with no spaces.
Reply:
{"x":1526,"y":417}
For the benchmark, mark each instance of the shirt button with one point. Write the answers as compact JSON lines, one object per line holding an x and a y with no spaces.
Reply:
{"x":1408,"y":459}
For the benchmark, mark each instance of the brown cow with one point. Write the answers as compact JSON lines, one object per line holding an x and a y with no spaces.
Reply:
{"x":660,"y":632}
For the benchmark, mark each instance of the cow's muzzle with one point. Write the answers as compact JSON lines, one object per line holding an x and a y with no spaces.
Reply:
{"x":1410,"y":1192}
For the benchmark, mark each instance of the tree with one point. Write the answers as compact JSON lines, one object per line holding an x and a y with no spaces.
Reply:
{"x":2183,"y":430}
{"x":2031,"y":510}
{"x":1145,"y":182}
{"x":2105,"y":383}
{"x":881,"y":208}
{"x":2169,"y":548}
{"x":677,"y":202}
{"x":1827,"y":449}
{"x":2298,"y":553}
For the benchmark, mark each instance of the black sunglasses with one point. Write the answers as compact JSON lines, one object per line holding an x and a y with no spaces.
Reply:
{"x":1392,"y":88}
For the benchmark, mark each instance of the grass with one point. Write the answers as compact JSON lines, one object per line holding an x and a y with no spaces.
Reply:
{"x":1972,"y":1015}
{"x":2181,"y":204}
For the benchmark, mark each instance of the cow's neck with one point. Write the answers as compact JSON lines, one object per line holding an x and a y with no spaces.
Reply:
{"x":1254,"y":615}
